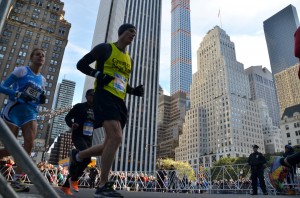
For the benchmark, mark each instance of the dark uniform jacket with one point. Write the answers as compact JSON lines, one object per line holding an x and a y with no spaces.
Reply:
{"x":256,"y":160}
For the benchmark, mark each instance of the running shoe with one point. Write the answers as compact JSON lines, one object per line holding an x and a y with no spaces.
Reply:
{"x":74,"y":185}
{"x":19,"y":186}
{"x":107,"y":191}
{"x":66,"y":190}
{"x":277,"y":174}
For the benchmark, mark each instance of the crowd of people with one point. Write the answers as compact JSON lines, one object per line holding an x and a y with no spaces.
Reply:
{"x":160,"y":181}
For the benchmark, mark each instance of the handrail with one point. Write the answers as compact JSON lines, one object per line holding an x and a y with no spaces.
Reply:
{"x":25,"y":162}
{"x":6,"y":190}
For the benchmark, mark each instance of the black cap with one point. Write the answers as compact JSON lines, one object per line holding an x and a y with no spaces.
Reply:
{"x":125,"y":27}
{"x":89,"y":92}
{"x":255,"y":146}
{"x":288,"y":146}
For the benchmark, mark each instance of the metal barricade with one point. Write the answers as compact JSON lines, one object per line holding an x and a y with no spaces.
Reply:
{"x":24,"y":161}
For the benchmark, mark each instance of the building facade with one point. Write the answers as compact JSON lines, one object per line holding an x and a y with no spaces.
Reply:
{"x":181,"y":51}
{"x":263,"y":86}
{"x":222,"y":120}
{"x":64,"y":99}
{"x":290,"y":125}
{"x":138,"y":150}
{"x":272,"y":134}
{"x":279,"y":33}
{"x":61,"y":148}
{"x":29,"y":25}
{"x":171,"y":114}
{"x":288,"y":87}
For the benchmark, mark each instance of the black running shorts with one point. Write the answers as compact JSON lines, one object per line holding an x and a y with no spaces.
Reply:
{"x":109,"y":107}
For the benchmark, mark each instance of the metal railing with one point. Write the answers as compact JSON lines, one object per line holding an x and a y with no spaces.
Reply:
{"x":26,"y":164}
{"x":233,"y":179}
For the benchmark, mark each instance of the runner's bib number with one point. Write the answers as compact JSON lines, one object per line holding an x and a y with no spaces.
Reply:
{"x":32,"y":92}
{"x":88,"y":128}
{"x":120,"y":82}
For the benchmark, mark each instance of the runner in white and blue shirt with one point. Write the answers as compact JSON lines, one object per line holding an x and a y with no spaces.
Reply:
{"x":32,"y":86}
{"x":25,"y":87}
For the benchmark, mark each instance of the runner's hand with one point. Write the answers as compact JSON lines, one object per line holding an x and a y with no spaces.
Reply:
{"x":42,"y":98}
{"x":104,"y":79}
{"x":138,"y":91}
{"x":24,"y":96}
{"x":75,"y":126}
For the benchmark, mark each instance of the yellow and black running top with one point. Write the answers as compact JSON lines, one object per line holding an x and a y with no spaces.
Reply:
{"x":112,"y":61}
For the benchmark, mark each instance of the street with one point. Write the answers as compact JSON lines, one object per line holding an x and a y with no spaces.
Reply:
{"x":88,"y":193}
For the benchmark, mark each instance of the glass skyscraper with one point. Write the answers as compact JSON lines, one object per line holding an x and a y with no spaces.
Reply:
{"x":181,"y":58}
{"x":279,"y":32}
{"x":138,"y":149}
{"x":262,"y":86}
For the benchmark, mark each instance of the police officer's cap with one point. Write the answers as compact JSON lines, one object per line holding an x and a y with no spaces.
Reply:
{"x":288,"y":146}
{"x":255,"y":146}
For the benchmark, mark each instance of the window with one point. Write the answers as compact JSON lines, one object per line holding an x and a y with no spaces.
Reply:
{"x":288,"y":135}
{"x":62,"y":30}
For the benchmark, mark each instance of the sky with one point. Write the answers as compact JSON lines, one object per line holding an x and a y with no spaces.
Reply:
{"x":241,"y":20}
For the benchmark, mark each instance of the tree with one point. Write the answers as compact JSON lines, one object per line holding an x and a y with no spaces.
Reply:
{"x":181,"y":168}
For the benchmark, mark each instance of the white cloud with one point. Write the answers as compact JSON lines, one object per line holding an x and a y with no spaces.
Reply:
{"x":73,"y":48}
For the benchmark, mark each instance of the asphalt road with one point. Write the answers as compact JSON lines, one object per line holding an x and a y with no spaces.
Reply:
{"x":88,"y":193}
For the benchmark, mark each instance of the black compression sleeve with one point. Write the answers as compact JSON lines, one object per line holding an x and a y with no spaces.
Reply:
{"x":83,"y":65}
{"x":293,"y":159}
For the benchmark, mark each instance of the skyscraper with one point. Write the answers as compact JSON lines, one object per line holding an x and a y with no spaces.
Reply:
{"x":175,"y":106}
{"x":171,"y":113}
{"x":279,"y":32}
{"x":222,"y":120}
{"x":262,"y":86}
{"x":288,"y":87}
{"x":181,"y":57}
{"x":138,"y":150}
{"x":64,"y":98}
{"x":29,"y":25}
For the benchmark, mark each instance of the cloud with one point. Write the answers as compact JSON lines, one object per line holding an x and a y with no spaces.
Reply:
{"x":251,"y":50}
{"x":73,"y":48}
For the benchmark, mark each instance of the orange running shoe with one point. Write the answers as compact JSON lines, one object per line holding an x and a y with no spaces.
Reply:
{"x":66,"y":190}
{"x":74,"y":185}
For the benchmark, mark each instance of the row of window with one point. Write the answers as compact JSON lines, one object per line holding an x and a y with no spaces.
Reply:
{"x":61,"y":31}
{"x":297,"y":133}
{"x":287,"y":127}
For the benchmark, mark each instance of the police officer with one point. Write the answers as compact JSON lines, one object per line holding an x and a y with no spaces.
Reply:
{"x":257,"y":162}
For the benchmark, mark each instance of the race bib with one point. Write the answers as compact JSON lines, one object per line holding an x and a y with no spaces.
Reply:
{"x":32,"y":92}
{"x":88,"y":128}
{"x":120,"y":82}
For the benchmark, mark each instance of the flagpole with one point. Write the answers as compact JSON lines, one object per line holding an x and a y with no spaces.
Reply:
{"x":219,"y":15}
